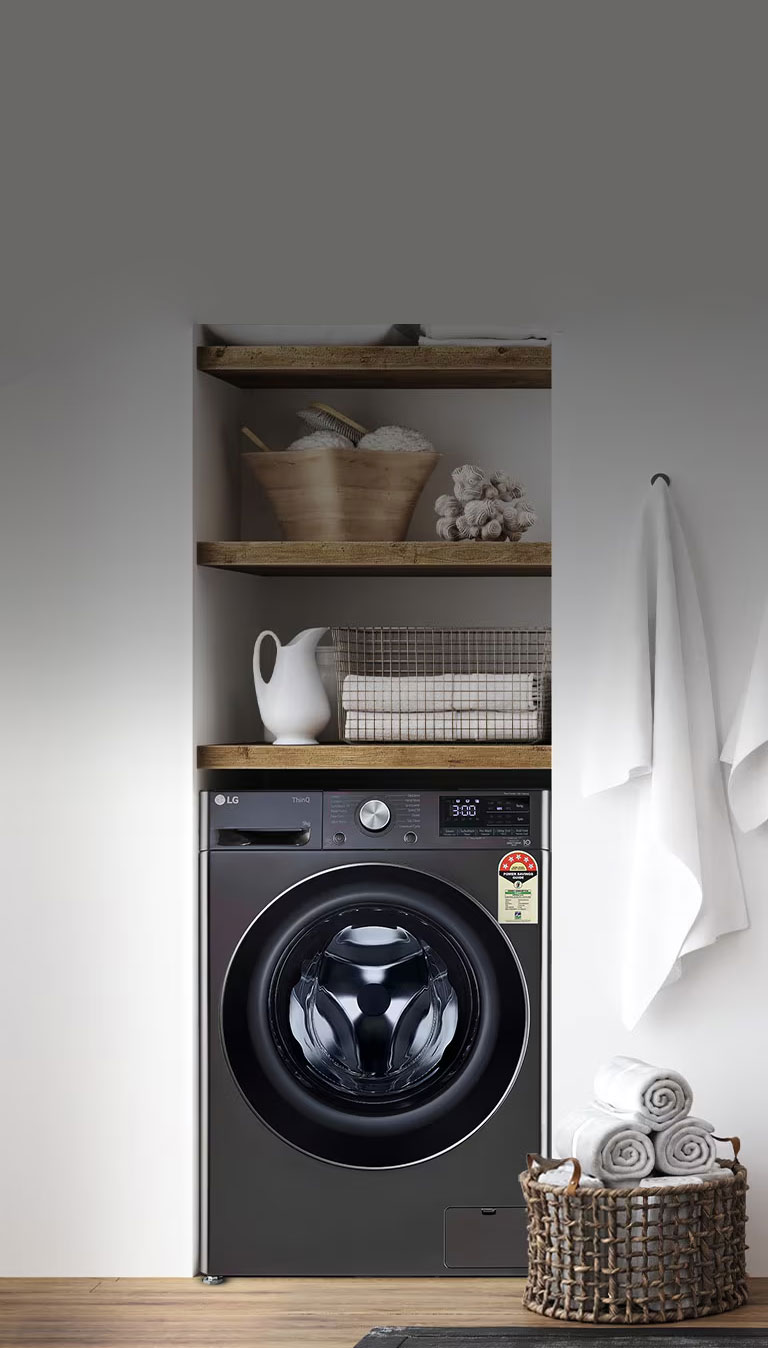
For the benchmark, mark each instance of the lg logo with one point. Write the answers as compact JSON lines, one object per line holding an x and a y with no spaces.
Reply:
{"x":226,"y":800}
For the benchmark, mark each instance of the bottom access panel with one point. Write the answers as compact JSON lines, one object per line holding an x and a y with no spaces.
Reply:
{"x":485,"y":1238}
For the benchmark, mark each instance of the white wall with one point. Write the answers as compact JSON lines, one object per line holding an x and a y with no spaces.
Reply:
{"x":97,"y":955}
{"x":167,"y":165}
{"x":627,"y":402}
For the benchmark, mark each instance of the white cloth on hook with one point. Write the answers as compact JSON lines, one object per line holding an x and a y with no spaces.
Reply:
{"x":653,"y":720}
{"x":746,"y":748}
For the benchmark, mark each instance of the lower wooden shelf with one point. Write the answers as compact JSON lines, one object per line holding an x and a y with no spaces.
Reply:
{"x":404,"y":756}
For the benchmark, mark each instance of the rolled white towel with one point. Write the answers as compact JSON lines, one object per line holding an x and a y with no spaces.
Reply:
{"x":614,"y":1150}
{"x":686,"y":1147}
{"x":656,"y":1096}
{"x":495,"y":692}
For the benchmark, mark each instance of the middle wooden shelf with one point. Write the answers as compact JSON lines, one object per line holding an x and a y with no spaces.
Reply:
{"x":350,"y":756}
{"x":423,"y":558}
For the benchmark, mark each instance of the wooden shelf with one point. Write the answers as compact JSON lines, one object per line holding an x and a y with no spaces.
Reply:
{"x":378,"y":366}
{"x":459,"y":757}
{"x":432,"y":558}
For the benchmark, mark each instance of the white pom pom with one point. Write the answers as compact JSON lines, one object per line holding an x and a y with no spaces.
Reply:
{"x":446,"y":529}
{"x":396,"y":437}
{"x":448,"y":506}
{"x":322,"y":440}
{"x":480,"y":512}
{"x":508,"y":488}
{"x":469,"y":482}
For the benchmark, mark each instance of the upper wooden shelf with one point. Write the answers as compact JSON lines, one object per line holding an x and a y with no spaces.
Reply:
{"x":378,"y":366}
{"x":348,"y":756}
{"x":432,"y":558}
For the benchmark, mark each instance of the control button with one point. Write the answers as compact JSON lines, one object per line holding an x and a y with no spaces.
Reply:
{"x":410,"y":837}
{"x":374,"y":815}
{"x":339,"y":837}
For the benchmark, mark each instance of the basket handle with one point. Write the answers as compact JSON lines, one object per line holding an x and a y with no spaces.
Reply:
{"x":537,"y":1165}
{"x":735,"y":1142}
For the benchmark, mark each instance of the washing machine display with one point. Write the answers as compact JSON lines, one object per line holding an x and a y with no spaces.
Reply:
{"x":373,"y":1031}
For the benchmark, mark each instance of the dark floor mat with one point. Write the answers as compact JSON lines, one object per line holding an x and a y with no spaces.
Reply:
{"x":424,"y":1337}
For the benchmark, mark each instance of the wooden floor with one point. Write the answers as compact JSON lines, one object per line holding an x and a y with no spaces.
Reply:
{"x":268,"y":1312}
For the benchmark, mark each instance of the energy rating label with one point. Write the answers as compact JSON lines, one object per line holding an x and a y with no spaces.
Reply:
{"x":518,"y":888}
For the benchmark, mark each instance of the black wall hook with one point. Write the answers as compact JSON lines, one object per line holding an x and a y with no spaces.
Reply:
{"x":662,"y":475}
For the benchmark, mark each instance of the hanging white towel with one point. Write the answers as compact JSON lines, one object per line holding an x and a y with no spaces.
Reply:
{"x":746,"y":748}
{"x":654,"y":721}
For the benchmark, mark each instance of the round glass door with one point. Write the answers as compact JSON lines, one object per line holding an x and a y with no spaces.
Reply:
{"x":374,"y":1016}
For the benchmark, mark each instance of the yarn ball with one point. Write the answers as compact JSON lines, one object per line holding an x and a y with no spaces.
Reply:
{"x":447,"y":529}
{"x":507,"y":487}
{"x":396,"y":437}
{"x":479,"y":513}
{"x":469,"y":482}
{"x":448,"y":506}
{"x":322,"y":440}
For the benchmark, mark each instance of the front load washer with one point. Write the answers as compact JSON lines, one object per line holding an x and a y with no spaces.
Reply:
{"x":373,"y":1029}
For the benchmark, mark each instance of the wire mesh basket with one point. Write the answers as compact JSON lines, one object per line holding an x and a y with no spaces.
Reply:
{"x":406,"y":684}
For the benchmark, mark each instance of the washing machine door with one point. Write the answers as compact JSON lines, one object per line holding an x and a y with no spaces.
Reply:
{"x":374,"y":1015}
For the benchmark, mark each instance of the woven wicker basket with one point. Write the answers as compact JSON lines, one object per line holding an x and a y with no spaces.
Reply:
{"x":635,"y":1256}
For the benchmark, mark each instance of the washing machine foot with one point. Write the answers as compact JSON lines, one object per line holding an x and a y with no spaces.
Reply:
{"x":211,"y":1280}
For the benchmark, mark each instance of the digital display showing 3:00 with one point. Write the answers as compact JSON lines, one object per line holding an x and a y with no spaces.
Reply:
{"x":485,"y":816}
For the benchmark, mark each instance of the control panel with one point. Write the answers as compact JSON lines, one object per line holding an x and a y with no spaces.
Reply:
{"x":404,"y":820}
{"x":383,"y":820}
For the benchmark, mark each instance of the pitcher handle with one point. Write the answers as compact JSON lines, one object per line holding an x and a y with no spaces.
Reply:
{"x":261,"y":683}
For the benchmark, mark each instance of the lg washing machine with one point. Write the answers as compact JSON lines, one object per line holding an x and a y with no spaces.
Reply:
{"x":374,"y":1065}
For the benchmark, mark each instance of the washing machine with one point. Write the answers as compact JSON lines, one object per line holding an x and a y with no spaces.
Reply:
{"x":374,"y":1029}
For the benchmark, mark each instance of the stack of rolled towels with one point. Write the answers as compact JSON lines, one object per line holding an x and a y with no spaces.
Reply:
{"x":638,"y":1131}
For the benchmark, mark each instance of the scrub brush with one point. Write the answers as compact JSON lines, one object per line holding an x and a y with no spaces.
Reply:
{"x":321,"y":417}
{"x":255,"y":440}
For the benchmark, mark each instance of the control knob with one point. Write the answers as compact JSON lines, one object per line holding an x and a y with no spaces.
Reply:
{"x":374,"y":815}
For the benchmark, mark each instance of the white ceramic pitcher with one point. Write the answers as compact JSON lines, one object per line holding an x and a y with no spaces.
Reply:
{"x":294,"y":705}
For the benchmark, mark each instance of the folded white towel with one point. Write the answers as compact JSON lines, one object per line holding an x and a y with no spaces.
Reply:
{"x":655,"y":1096}
{"x":485,"y":341}
{"x":685,"y":1147}
{"x":492,"y":332}
{"x":362,"y":692}
{"x":746,"y":748}
{"x":499,"y":725}
{"x":653,"y":719}
{"x":606,"y":1146}
{"x":400,"y":727}
{"x":412,"y":727}
{"x":495,"y":692}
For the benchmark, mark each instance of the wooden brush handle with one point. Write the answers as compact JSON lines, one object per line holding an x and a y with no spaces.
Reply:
{"x":253,"y":437}
{"x":332,"y":412}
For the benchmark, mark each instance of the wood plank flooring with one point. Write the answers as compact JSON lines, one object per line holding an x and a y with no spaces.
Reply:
{"x":267,"y":1312}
